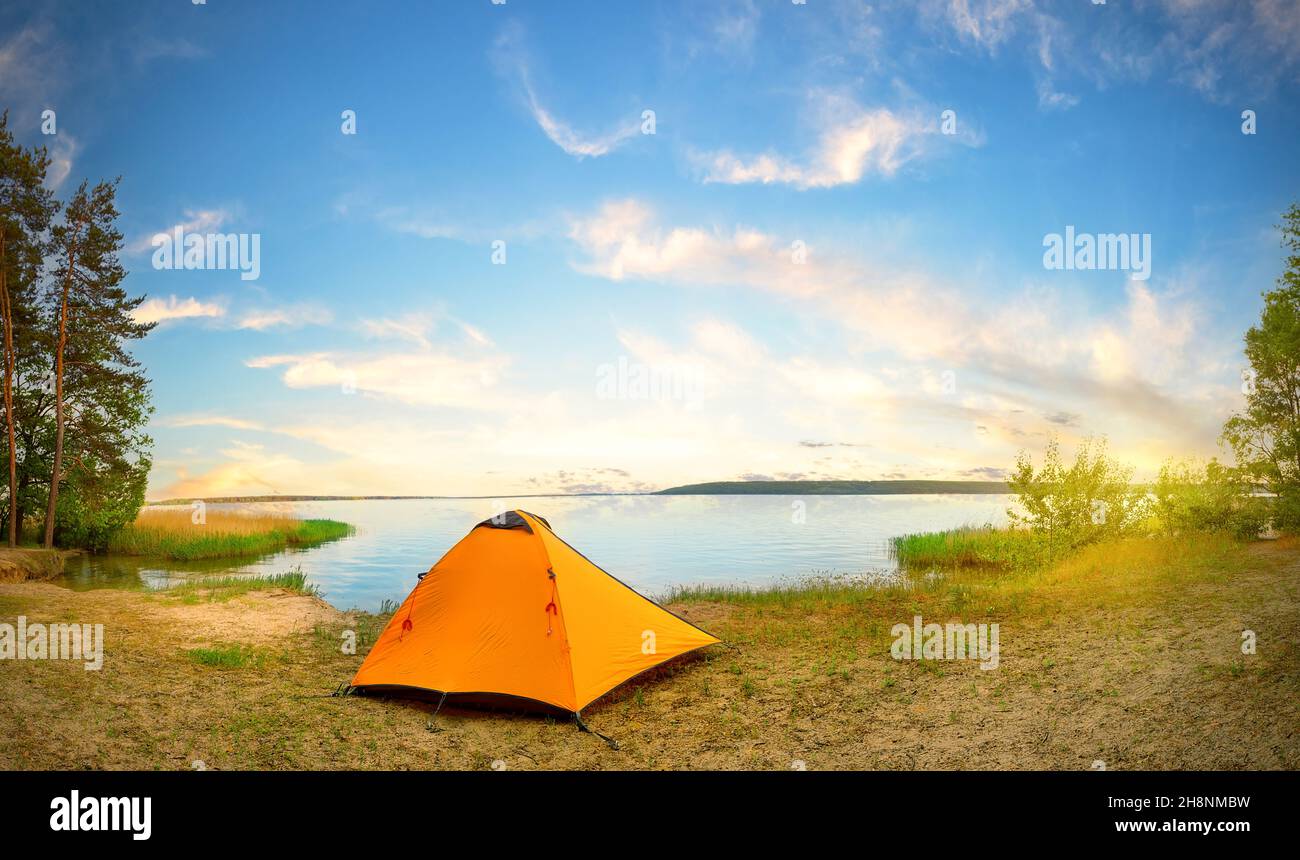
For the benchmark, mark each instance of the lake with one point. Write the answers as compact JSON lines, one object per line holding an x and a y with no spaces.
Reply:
{"x":650,"y":542}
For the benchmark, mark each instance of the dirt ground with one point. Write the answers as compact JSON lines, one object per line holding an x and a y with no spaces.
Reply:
{"x":1139,"y":669}
{"x":32,"y":565}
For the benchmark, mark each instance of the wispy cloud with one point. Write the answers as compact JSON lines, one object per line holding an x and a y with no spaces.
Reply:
{"x":986,"y":23}
{"x":289,"y":316}
{"x":735,"y":27}
{"x":1219,"y":48}
{"x":423,"y":378}
{"x":853,"y":143}
{"x":146,"y":49}
{"x":31,"y":67}
{"x":414,"y":328}
{"x":1051,"y":99}
{"x":193,"y":221}
{"x":171,"y":308}
{"x":184,"y":421}
{"x":510,"y":55}
{"x":418,"y":328}
{"x":1135,"y":364}
{"x":63,"y":149}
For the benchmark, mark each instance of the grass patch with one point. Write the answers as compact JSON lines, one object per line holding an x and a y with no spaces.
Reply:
{"x":226,"y":656}
{"x":805,"y":594}
{"x":847,"y":610}
{"x":221,"y":588}
{"x":969,"y":546}
{"x":173,"y":534}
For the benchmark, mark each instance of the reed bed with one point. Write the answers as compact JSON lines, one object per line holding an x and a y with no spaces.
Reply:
{"x":174,"y":534}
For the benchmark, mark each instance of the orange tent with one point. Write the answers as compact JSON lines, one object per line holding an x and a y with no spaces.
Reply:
{"x":512,"y":610}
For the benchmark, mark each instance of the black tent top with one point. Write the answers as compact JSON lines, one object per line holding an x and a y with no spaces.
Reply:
{"x":511,"y":520}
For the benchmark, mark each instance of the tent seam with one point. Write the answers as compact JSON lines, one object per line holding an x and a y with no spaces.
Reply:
{"x":567,"y":649}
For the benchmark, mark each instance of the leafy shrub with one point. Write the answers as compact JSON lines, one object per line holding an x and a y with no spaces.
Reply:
{"x":1211,"y":497}
{"x":1065,"y":508}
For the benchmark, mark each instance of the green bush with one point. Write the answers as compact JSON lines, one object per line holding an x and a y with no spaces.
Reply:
{"x":1284,"y":510}
{"x":1065,"y":508}
{"x":97,"y":500}
{"x":1211,"y":497}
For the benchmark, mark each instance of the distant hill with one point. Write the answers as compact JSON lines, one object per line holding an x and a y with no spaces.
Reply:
{"x":835,"y":488}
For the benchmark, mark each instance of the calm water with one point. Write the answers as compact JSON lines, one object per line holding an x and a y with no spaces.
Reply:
{"x":650,"y":542}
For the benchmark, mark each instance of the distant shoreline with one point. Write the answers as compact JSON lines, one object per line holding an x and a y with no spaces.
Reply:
{"x":714,"y":488}
{"x":839,"y":488}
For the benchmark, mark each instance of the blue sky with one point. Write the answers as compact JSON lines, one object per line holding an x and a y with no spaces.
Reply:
{"x":820,"y":280}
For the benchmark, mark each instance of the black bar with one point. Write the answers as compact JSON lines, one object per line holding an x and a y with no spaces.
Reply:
{"x":212,"y":809}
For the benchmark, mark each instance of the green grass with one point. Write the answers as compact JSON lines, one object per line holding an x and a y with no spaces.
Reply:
{"x":806,"y":594}
{"x":965,"y":547}
{"x":226,"y":656}
{"x":220,"y":588}
{"x":143,"y":538}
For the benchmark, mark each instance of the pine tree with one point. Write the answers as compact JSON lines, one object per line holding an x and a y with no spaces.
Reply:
{"x":26,"y":208}
{"x":101,"y":396}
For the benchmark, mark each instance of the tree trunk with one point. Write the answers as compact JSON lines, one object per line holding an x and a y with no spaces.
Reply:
{"x":58,"y":403}
{"x":18,"y":510}
{"x":6,"y":309}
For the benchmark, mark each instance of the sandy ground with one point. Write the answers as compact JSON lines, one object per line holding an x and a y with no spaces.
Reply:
{"x":1092,"y":670}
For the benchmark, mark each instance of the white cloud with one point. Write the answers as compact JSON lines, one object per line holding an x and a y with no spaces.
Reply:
{"x":510,"y":56}
{"x":194,"y":221}
{"x":418,"y":328}
{"x":172,"y":308}
{"x":410,"y":327}
{"x":183,"y":421}
{"x":1222,"y":49}
{"x":1051,"y":99}
{"x":853,"y":143}
{"x":31,"y":67}
{"x":736,"y":27}
{"x":290,"y":316}
{"x":63,"y":150}
{"x":986,"y":23}
{"x":423,"y":378}
{"x":575,"y":143}
{"x":1134,"y":362}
